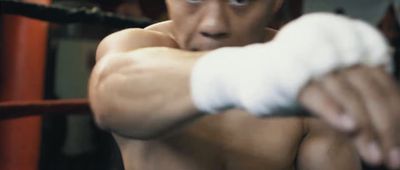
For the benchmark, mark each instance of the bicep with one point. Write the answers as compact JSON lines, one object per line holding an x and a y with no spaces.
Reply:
{"x":131,"y":39}
{"x":323,"y":148}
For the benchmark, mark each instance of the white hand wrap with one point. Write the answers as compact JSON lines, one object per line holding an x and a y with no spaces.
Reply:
{"x":263,"y":77}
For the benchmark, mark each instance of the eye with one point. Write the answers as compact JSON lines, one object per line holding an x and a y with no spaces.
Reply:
{"x":194,"y":1}
{"x":239,"y":2}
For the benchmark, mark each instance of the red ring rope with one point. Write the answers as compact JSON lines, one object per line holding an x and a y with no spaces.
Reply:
{"x":16,"y":109}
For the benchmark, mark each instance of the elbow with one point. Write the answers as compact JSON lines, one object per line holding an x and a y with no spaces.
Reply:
{"x":98,"y":101}
{"x":101,"y":118}
{"x":125,"y":110}
{"x":133,"y":124}
{"x":105,"y":117}
{"x":99,"y":109}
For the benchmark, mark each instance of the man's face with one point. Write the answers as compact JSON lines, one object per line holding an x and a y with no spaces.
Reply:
{"x":209,"y":24}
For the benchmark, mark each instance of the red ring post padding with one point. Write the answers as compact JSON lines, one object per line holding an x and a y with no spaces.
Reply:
{"x":22,"y":62}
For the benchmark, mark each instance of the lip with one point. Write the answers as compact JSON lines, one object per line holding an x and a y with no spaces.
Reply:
{"x":207,"y":47}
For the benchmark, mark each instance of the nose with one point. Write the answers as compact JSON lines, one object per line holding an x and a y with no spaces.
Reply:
{"x":215,"y":24}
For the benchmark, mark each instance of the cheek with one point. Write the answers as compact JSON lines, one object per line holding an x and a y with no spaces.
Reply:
{"x":250,"y":34}
{"x":184,"y":30}
{"x":185,"y":23}
{"x":251,"y":27}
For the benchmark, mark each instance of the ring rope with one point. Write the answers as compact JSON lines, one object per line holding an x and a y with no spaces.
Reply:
{"x":17,"y":109}
{"x":64,"y":15}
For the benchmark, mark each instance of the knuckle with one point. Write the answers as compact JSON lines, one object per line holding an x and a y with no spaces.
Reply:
{"x":355,"y":104}
{"x":347,"y":91}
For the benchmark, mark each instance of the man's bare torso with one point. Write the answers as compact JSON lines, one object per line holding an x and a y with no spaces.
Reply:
{"x":230,"y":141}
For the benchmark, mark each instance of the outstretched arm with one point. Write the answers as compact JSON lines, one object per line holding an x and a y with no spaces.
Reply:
{"x":140,"y":90}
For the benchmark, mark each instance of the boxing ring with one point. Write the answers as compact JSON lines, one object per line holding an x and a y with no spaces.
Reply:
{"x":58,"y":15}
{"x":22,"y":63}
{"x":26,"y":111}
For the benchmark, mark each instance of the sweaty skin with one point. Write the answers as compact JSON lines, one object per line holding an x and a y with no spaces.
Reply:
{"x":139,"y":90}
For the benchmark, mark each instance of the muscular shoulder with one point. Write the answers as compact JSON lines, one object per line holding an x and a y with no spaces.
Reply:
{"x":132,"y":39}
{"x":164,"y":27}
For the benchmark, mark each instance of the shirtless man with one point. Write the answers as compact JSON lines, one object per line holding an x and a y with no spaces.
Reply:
{"x":144,"y":89}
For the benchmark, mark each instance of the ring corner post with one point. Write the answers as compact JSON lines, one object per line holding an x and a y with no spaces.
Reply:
{"x":22,"y":63}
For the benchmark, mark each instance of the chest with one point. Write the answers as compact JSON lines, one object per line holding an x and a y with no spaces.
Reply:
{"x":238,"y":141}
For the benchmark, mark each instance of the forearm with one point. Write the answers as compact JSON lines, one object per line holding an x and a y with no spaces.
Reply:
{"x":143,"y":93}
